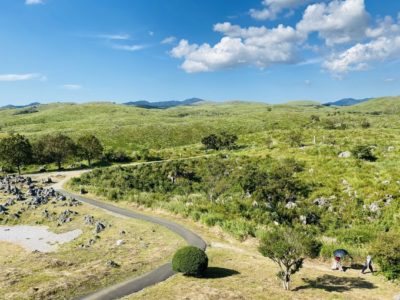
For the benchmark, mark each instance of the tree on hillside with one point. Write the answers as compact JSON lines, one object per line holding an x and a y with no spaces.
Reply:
{"x":277,"y":185}
{"x":89,"y":147}
{"x":15,"y":150}
{"x":220,"y":141}
{"x":211,"y":142}
{"x":295,"y":139}
{"x":288,"y":248}
{"x":55,"y":148}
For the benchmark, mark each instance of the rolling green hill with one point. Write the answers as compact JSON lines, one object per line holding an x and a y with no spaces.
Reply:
{"x":385,"y":105}
{"x":132,"y":128}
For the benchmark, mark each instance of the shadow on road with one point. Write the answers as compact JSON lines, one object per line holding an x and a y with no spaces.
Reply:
{"x":331,"y":283}
{"x":216,"y":272}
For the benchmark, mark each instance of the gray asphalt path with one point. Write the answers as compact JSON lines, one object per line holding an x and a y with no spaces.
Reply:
{"x":156,"y":276}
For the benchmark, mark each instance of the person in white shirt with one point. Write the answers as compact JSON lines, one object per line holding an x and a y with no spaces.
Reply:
{"x":368,"y":265}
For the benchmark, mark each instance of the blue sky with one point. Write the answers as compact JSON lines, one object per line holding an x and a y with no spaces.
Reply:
{"x":260,"y":50}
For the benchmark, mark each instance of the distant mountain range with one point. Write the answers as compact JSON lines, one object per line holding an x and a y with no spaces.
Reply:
{"x":191,"y":101}
{"x":10,"y":106}
{"x":346,"y":102}
{"x":164,"y":104}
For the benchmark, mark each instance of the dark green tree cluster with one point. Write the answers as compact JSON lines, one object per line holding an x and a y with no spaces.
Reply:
{"x":16,"y":150}
{"x":220,"y":141}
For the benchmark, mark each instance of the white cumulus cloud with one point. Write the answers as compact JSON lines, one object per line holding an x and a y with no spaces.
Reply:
{"x":255,"y":46}
{"x":360,"y":56}
{"x":383,"y":45}
{"x":337,"y":22}
{"x":351,"y":39}
{"x":272,"y":8}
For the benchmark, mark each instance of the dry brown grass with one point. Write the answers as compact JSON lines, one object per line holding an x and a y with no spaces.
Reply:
{"x":73,"y":270}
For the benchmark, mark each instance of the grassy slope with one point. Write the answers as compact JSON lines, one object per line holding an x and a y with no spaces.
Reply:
{"x":388,"y":105}
{"x":237,"y":271}
{"x":131,"y":128}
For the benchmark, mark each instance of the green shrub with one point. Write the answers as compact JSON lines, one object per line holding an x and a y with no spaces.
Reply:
{"x":386,"y":251}
{"x":364,"y":152}
{"x":355,"y":236}
{"x":239,"y":228}
{"x":212,"y":219}
{"x":190,"y":260}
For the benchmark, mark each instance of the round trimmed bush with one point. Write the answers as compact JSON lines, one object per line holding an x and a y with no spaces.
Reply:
{"x":190,"y":260}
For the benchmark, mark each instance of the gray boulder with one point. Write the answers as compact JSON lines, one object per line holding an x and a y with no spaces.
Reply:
{"x":345,"y":154}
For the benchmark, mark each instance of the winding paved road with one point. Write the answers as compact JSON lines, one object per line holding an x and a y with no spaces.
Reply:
{"x":156,"y":276}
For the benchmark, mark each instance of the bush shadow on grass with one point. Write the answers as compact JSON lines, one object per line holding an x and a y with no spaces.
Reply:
{"x":332,"y":283}
{"x":216,"y":272}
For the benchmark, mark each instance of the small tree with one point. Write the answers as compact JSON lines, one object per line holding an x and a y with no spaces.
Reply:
{"x":89,"y":147}
{"x":15,"y":150}
{"x":365,"y":124}
{"x":228,"y":140}
{"x":315,"y":118}
{"x":57,"y":148}
{"x":220,"y":141}
{"x":211,"y":141}
{"x":295,"y":139}
{"x":288,"y":248}
{"x":364,"y":152}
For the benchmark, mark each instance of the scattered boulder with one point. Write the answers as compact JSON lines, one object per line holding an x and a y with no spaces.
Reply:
{"x":388,"y":200}
{"x":321,"y":201}
{"x":3,"y":209}
{"x":112,"y":264}
{"x":99,"y":227}
{"x":47,"y":180}
{"x":120,"y":242}
{"x":291,"y":205}
{"x":9,"y":202}
{"x":89,"y":220}
{"x":374,"y":207}
{"x":46,"y":214}
{"x":345,"y":154}
{"x":66,"y":216}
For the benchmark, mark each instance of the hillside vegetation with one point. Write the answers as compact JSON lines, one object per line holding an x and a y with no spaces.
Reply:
{"x":330,"y":171}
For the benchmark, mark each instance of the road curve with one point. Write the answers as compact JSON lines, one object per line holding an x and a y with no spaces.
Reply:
{"x":156,"y":276}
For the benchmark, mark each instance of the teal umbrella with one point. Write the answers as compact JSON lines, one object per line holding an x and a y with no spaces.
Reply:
{"x":340,"y":253}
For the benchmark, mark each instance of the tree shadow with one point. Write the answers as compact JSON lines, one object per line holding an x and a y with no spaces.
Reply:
{"x":216,"y":272}
{"x":357,"y":266}
{"x":331,"y":283}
